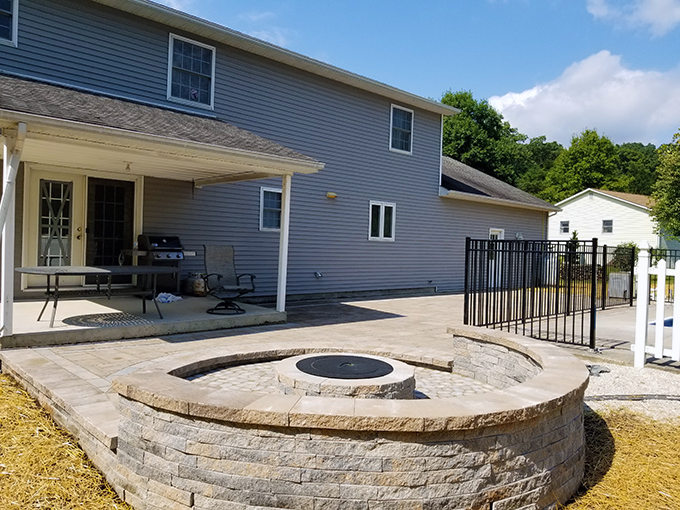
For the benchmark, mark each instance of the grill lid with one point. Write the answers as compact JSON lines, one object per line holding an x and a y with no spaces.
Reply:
{"x":159,"y":243}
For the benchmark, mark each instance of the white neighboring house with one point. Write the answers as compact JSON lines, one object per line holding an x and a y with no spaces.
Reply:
{"x":611,"y":216}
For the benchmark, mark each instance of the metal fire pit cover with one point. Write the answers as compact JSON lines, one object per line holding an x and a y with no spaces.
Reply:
{"x":341,"y":366}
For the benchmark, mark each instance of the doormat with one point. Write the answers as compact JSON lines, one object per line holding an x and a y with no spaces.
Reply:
{"x":106,"y":320}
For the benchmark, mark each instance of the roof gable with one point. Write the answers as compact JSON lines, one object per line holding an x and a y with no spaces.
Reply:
{"x":639,"y":201}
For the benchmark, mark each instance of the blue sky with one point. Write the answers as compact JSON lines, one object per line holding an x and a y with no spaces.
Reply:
{"x":551,"y":67}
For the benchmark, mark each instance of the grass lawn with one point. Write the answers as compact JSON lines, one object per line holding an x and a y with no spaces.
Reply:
{"x":632,"y":462}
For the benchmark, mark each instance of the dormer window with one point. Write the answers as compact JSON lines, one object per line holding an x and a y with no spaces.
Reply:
{"x":191,"y":72}
{"x":9,"y":17}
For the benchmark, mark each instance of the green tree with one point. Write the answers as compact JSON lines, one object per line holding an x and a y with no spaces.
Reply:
{"x":542,"y":156}
{"x":638,"y":164}
{"x":592,"y":161}
{"x":478,"y":136}
{"x":666,"y":194}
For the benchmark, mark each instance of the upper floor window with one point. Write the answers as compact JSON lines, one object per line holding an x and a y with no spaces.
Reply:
{"x":191,"y":72}
{"x":9,"y":17}
{"x":270,"y":208}
{"x":401,"y":132}
{"x":381,"y":221}
{"x":564,"y":227}
{"x":607,"y":226}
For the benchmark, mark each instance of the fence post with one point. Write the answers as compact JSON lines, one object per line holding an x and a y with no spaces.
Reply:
{"x":642,"y":312}
{"x":660,"y":306}
{"x":466,"y":299}
{"x":604,"y":276}
{"x":675,"y":342}
{"x":632,"y":275}
{"x":593,"y":293}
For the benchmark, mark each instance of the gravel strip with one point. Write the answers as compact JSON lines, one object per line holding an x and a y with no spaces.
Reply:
{"x":627,"y":383}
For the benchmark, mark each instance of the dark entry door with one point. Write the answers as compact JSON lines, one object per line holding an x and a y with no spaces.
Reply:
{"x":110,"y":223}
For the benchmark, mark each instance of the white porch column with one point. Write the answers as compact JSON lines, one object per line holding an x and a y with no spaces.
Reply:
{"x":283,"y":243}
{"x":11,"y":156}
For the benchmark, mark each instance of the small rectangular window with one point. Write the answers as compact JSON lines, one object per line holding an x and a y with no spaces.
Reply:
{"x":607,"y":226}
{"x":191,"y":72}
{"x":564,"y":227}
{"x":401,"y":132}
{"x":270,"y":208}
{"x":381,"y":221}
{"x":9,"y":17}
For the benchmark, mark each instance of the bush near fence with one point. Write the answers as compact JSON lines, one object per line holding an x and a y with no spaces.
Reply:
{"x":579,"y":272}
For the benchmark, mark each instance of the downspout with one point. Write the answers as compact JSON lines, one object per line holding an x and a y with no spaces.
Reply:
{"x":10,"y":162}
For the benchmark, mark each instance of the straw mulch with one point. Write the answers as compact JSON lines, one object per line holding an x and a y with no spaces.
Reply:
{"x":632,"y":462}
{"x":40,"y":465}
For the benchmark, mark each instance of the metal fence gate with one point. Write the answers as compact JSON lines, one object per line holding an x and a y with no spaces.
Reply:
{"x":545,"y":289}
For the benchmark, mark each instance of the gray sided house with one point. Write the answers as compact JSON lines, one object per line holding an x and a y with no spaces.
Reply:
{"x":183,"y":127}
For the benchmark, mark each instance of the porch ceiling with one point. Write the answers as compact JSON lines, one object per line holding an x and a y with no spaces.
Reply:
{"x":69,"y":128}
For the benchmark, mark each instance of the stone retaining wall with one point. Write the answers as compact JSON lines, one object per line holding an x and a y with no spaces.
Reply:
{"x":521,"y":447}
{"x":489,"y":361}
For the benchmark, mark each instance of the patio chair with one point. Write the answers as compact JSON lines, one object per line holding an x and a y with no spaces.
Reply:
{"x":222,"y":281}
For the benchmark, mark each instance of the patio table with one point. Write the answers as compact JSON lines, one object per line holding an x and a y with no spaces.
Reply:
{"x":108,"y":272}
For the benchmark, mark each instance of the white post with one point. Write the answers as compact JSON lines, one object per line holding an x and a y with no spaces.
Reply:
{"x":675,"y":345}
{"x":12,"y":147}
{"x":660,"y":305}
{"x":642,"y":311}
{"x":283,"y":243}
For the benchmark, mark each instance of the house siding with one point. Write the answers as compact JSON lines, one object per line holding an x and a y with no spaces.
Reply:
{"x":99,"y":48}
{"x":586,"y":212}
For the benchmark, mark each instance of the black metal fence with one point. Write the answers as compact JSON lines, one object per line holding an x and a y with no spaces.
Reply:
{"x":545,"y":289}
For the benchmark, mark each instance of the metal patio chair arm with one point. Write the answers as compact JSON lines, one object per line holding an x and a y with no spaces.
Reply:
{"x":250,"y":275}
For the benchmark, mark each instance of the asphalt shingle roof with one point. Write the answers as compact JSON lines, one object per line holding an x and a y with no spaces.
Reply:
{"x":457,"y":176}
{"x":642,"y":200}
{"x":37,"y":98}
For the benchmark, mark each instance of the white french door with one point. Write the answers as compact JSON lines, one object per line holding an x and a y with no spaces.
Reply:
{"x":55,"y":224}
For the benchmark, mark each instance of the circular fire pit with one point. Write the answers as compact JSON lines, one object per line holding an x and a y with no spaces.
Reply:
{"x":521,"y":445}
{"x":345,"y":375}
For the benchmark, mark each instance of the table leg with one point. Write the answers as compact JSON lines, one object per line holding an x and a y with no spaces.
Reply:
{"x":56,"y":299}
{"x":155,"y":276}
{"x":47,"y":298}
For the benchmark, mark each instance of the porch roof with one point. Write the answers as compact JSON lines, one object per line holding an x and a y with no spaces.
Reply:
{"x":72,"y":128}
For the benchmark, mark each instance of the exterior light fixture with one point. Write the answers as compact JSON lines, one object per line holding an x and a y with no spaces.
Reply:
{"x":330,"y":194}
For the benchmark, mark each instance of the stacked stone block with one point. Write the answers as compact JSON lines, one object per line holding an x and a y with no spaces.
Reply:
{"x":491,"y":363}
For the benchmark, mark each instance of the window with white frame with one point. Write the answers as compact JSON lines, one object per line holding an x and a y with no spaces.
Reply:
{"x":401,"y":131}
{"x":607,"y":226}
{"x":381,"y":221}
{"x":191,"y":72}
{"x":9,"y":21}
{"x":270,"y":208}
{"x":564,"y":227}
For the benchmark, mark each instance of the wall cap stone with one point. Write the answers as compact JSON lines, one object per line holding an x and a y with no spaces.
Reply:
{"x":562,"y":380}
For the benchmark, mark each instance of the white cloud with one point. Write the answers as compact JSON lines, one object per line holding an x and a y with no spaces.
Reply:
{"x":600,"y":93}
{"x":275,"y":35}
{"x":180,"y":5}
{"x":256,"y":16}
{"x":659,"y":16}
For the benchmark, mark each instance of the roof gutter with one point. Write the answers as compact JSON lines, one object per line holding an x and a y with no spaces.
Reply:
{"x":459,"y":195}
{"x":215,"y":32}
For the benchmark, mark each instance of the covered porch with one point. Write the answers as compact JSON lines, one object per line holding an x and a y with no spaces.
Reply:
{"x":52,"y":134}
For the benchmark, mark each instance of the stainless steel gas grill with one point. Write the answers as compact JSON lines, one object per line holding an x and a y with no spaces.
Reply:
{"x":162,"y":251}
